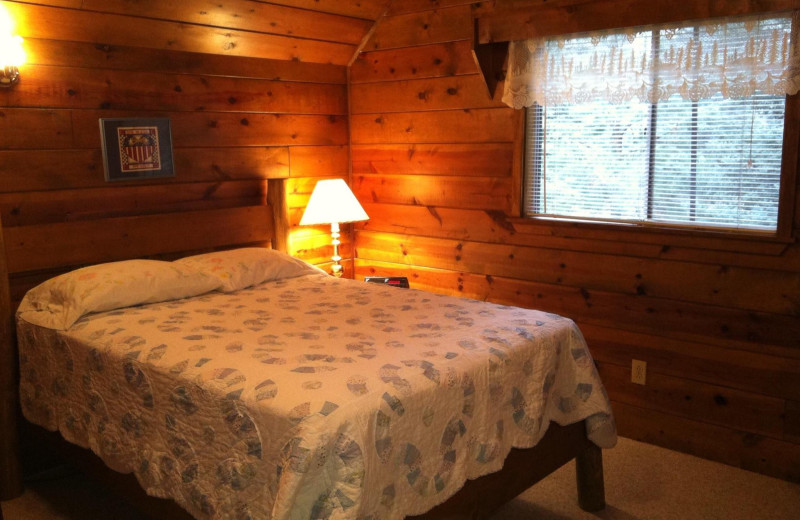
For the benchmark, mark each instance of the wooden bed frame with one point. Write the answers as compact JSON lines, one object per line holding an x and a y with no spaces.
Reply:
{"x":31,"y":254}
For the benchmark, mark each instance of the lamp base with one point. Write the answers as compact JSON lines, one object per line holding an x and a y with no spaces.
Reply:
{"x":336,"y":269}
{"x":9,"y":76}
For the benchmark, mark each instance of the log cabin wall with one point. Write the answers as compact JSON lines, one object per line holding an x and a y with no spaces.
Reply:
{"x":435,"y":162}
{"x":254,"y":90}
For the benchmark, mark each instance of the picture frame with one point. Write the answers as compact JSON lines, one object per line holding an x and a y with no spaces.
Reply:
{"x":136,"y":148}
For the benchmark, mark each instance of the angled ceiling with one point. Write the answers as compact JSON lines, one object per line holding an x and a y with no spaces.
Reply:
{"x":316,"y":31}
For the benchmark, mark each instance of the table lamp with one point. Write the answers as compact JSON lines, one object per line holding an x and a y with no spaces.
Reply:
{"x":332,"y":202}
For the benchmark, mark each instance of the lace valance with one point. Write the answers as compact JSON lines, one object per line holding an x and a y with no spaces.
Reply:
{"x":735,"y":57}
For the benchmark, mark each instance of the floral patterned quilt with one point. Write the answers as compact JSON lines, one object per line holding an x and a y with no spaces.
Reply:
{"x":311,"y":397}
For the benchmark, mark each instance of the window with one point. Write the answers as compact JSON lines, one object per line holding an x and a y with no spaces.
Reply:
{"x":713,"y":162}
{"x":662,"y":149}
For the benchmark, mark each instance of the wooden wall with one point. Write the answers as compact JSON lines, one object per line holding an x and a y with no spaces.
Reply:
{"x":716,"y":319}
{"x":254,"y":90}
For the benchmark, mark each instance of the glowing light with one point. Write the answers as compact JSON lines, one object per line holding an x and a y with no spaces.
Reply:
{"x":11,"y":51}
{"x":6,"y":24}
{"x":12,"y":54}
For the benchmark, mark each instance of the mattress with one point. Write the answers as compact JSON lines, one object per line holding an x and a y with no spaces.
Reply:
{"x":310,"y":397}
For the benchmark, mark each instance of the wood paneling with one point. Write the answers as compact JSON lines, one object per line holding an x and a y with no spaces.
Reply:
{"x":118,"y":57}
{"x":42,"y":207}
{"x":497,"y":227}
{"x":239,"y":83}
{"x":476,"y":192}
{"x":35,"y":128}
{"x":446,"y":126}
{"x":244,"y":15}
{"x":476,"y":225}
{"x":93,"y":27}
{"x":534,"y":18}
{"x":440,"y":159}
{"x":687,"y":398}
{"x":423,"y":28}
{"x":21,"y":170}
{"x":410,"y":6}
{"x":425,"y":61}
{"x":370,"y":9}
{"x":753,"y":372}
{"x":643,"y":278}
{"x":32,"y":247}
{"x":741,"y":448}
{"x":738,"y":249}
{"x":116,"y":29}
{"x":77,"y":88}
{"x":714,"y":315}
{"x":422,"y":94}
{"x":313,"y":161}
{"x":222,"y":129}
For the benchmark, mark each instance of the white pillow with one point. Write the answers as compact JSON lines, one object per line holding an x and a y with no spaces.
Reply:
{"x":63,"y":300}
{"x":240,"y":268}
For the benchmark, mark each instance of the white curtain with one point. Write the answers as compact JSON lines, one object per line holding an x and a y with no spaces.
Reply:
{"x":736,"y":57}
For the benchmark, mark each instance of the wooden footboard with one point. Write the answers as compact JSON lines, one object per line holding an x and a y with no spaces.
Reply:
{"x":125,"y":486}
{"x":478,"y":498}
{"x":525,"y":467}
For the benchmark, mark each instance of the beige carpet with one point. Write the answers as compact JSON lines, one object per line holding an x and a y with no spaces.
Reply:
{"x":643,"y":482}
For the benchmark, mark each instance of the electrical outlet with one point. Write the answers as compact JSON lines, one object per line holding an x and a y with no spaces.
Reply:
{"x":638,"y":372}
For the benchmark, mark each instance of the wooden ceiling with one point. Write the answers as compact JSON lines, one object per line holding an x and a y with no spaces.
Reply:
{"x":316,"y":31}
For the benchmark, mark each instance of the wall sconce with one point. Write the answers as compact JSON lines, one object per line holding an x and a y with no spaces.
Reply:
{"x":332,"y":202}
{"x":12,"y":55}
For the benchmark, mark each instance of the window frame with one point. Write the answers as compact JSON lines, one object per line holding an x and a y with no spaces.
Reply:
{"x":748,"y":240}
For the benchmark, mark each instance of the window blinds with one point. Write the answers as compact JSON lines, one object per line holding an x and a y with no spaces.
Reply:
{"x":711,"y":162}
{"x":704,"y":150}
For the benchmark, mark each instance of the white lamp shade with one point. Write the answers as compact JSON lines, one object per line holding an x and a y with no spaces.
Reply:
{"x":332,"y":202}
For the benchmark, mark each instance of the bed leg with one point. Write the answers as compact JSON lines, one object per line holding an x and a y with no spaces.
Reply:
{"x":10,"y":474}
{"x":589,"y":473}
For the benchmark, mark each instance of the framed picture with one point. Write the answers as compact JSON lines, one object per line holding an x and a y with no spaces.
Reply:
{"x":136,"y":148}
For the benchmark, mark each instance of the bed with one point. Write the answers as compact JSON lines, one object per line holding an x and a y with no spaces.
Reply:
{"x":257,"y":391}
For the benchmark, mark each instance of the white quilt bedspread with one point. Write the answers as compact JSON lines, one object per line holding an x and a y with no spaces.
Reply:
{"x":312,"y":397}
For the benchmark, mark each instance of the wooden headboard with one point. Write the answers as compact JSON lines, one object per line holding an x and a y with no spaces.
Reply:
{"x":32,"y":253}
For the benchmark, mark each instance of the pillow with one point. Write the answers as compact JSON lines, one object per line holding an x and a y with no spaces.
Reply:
{"x":240,"y":268}
{"x":61,"y":301}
